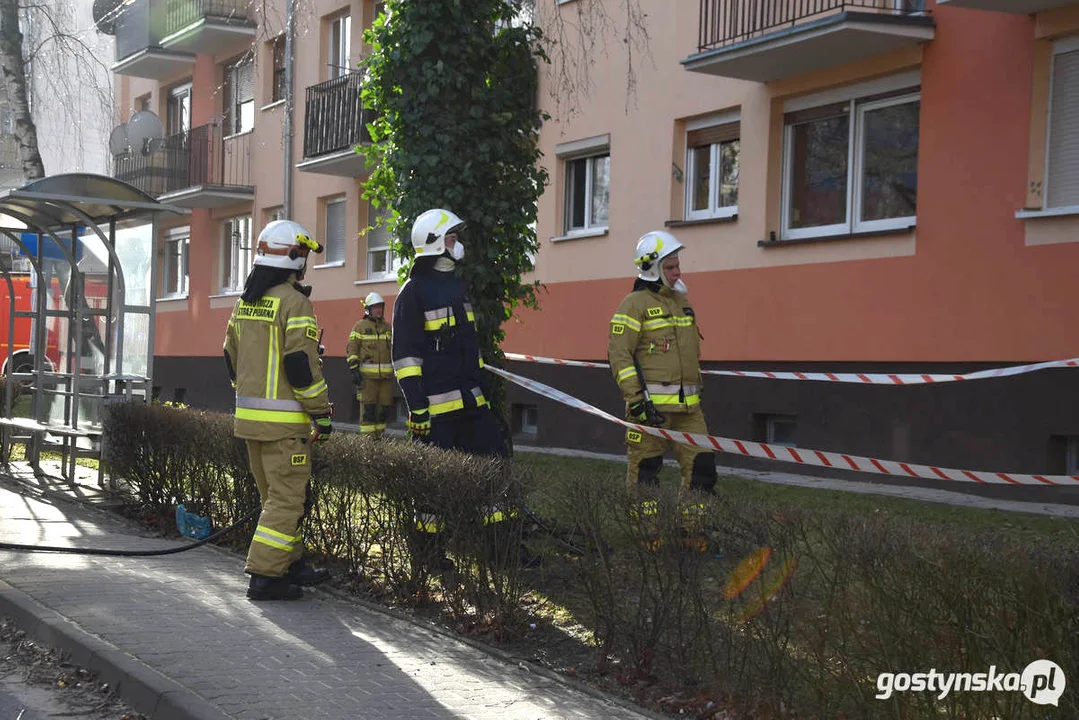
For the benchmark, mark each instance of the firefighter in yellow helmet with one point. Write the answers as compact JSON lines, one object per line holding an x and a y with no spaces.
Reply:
{"x":654,"y":352}
{"x":271,"y":350}
{"x":368,"y":355}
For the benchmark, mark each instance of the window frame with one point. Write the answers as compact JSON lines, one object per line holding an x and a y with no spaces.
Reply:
{"x":277,"y":74}
{"x":589,"y":227}
{"x":234,"y":257}
{"x":856,"y":110}
{"x":1062,"y":46}
{"x":232,"y":115}
{"x":714,"y":209}
{"x":394,"y":263}
{"x":175,"y":97}
{"x":326,"y":203}
{"x":341,"y":50}
{"x":183,"y":275}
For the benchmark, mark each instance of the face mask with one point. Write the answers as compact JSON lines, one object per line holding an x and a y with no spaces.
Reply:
{"x":458,"y":251}
{"x":678,"y":287}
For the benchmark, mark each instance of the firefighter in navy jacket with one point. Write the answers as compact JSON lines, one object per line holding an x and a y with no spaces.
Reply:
{"x":436,"y":358}
{"x":436,"y":353}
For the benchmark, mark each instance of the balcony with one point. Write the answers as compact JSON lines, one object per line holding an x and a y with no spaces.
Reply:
{"x":158,"y":38}
{"x":1017,"y":7}
{"x":335,"y":122}
{"x":766,"y":40}
{"x":193,"y":169}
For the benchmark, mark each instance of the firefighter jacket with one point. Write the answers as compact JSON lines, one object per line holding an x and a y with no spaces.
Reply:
{"x":271,"y":349}
{"x":654,"y":333}
{"x":436,"y":355}
{"x":368,"y":348}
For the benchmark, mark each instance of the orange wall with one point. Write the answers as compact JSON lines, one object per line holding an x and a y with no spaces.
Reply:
{"x":973,"y":289}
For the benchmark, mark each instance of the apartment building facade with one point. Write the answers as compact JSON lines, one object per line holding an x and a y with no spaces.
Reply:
{"x":214,"y":73}
{"x":877,"y":185}
{"x":861,"y":185}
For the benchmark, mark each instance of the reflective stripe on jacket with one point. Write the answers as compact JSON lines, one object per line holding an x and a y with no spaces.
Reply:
{"x":259,"y":336}
{"x":656,"y":327}
{"x":435,"y":350}
{"x":368,"y":348}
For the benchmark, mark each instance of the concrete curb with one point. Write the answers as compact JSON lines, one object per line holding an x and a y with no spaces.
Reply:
{"x":143,"y":688}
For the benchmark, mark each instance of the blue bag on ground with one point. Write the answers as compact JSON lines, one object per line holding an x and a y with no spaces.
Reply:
{"x":192,"y":525}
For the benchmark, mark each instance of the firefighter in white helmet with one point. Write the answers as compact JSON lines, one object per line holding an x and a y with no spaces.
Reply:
{"x":654,"y":352}
{"x":436,"y":357}
{"x":368,"y":355}
{"x":271,"y":350}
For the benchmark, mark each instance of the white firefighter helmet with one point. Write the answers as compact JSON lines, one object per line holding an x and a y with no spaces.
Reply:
{"x":651,"y":249}
{"x":430,"y":230}
{"x":284,"y":244}
{"x":373,"y":298}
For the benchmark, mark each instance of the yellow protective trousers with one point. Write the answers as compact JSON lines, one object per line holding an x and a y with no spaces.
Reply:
{"x":376,"y":404}
{"x":649,"y":449}
{"x":282,"y":469}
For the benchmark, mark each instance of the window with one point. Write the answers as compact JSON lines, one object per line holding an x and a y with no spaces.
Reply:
{"x":587,"y":192}
{"x":273,"y":213}
{"x":277,"y":90}
{"x":237,"y":252}
{"x":775,"y":429}
{"x":239,"y":93}
{"x":143,"y":102}
{"x":178,"y":110}
{"x":174,"y":262}
{"x":340,"y":46}
{"x":851,"y":166}
{"x":1062,"y":151}
{"x":525,"y":419}
{"x":712,"y":171}
{"x":335,"y":230}
{"x":382,"y":264}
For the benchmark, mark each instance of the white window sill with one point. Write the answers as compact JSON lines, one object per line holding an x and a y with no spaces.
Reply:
{"x":1048,"y":212}
{"x":340,"y":263}
{"x":227,"y":294}
{"x":171,"y":298}
{"x":376,"y":281}
{"x":271,"y":106}
{"x":581,"y":234}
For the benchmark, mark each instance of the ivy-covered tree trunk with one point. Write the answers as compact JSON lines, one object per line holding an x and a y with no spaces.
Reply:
{"x":13,"y":67}
{"x":454,"y":85}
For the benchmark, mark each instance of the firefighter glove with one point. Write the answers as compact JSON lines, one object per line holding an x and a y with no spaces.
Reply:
{"x":357,"y":377}
{"x":323,"y":429}
{"x":644,"y":412}
{"x":419,"y":423}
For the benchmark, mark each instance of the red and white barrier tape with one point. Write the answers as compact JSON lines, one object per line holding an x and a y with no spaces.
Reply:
{"x":861,"y":378}
{"x":795,"y":455}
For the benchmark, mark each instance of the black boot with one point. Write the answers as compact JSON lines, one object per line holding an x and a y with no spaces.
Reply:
{"x":301,"y":573}
{"x":526,"y":559}
{"x":272,"y":588}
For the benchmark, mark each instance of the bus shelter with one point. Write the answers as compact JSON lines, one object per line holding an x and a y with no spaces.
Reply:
{"x":77,"y":256}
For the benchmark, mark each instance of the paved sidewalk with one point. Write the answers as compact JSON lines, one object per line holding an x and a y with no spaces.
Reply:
{"x":179,"y":640}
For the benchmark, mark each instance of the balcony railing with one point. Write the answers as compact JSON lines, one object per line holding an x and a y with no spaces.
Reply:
{"x":135,"y":30}
{"x":725,"y":22}
{"x":198,"y":157}
{"x":143,"y":23}
{"x":335,"y":118}
{"x":180,"y":14}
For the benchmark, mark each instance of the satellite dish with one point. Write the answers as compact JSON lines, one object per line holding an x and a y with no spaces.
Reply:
{"x":118,"y":143}
{"x":105,"y":14}
{"x":144,"y":127}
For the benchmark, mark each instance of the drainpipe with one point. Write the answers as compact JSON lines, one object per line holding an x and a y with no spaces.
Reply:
{"x":290,"y":32}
